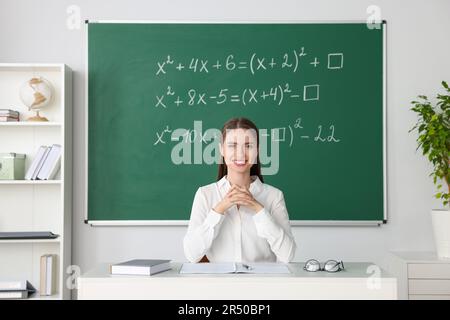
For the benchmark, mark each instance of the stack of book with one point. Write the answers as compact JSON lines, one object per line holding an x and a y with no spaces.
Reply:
{"x":16,"y":289}
{"x":7,"y":115}
{"x":48,"y":275}
{"x":46,"y":163}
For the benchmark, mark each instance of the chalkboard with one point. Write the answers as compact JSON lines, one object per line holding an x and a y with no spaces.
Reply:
{"x":157,"y":91}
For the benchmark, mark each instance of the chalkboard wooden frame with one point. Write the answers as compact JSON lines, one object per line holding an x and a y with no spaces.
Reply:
{"x":293,"y":222}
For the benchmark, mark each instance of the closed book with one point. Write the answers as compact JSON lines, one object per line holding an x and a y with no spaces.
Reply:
{"x":11,"y":285}
{"x":15,"y":289}
{"x":43,"y":276}
{"x":145,"y":267}
{"x":14,"y":294}
{"x":8,"y":112}
{"x":37,"y":159}
{"x":55,"y":166}
{"x":28,"y":235}
{"x":51,"y":164}
{"x":51,"y":275}
{"x":8,"y":119}
{"x":55,"y":169}
{"x":41,"y":163}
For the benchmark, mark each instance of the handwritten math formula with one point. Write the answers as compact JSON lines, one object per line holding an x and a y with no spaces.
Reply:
{"x":285,"y":134}
{"x":277,"y":94}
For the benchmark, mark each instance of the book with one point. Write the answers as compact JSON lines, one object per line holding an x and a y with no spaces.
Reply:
{"x":51,"y":274}
{"x":8,"y":119}
{"x":48,"y":275}
{"x":43,"y":275}
{"x":27,"y":235}
{"x":20,"y":289}
{"x":9,"y":112}
{"x":14,"y":285}
{"x":140,"y":267}
{"x":54,"y":168}
{"x":37,"y":158}
{"x":234,"y":267}
{"x":40,"y":163}
{"x":14,"y":294}
{"x":51,"y":164}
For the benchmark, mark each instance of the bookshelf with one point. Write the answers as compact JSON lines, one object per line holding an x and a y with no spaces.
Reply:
{"x":37,"y":205}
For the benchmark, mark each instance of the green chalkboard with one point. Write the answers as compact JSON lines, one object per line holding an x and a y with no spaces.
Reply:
{"x":315,"y":91}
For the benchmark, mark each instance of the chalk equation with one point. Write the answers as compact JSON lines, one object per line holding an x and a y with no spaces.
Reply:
{"x":291,"y":61}
{"x":324,"y":134}
{"x":277,"y":94}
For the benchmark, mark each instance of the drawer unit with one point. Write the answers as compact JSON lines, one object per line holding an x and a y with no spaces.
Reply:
{"x":429,"y":271}
{"x":422,"y":275}
{"x":434,"y":287}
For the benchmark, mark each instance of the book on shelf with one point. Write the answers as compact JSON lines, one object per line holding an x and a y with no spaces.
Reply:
{"x":13,"y":285}
{"x":36,"y":162}
{"x":46,"y":163}
{"x":14,"y":294}
{"x":8,"y":119}
{"x":8,"y":115}
{"x":9,"y":112}
{"x":15,"y":289}
{"x":51,"y":164}
{"x":145,"y":267}
{"x":28,"y":235}
{"x":48,"y":275}
{"x":40,"y":162}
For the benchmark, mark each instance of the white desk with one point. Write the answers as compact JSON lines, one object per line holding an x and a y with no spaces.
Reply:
{"x":353,"y":283}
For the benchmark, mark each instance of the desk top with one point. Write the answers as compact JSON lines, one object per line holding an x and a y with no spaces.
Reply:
{"x":356,"y":270}
{"x":420,"y":257}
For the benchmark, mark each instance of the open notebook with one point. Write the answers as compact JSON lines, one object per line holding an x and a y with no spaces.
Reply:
{"x":234,"y":267}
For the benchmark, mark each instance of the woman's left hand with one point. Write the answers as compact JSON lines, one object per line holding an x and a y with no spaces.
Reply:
{"x":247,"y":200}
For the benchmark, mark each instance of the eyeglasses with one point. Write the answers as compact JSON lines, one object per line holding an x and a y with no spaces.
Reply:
{"x":313,"y":265}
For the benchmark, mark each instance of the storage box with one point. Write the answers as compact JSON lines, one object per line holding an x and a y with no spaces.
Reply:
{"x":12,"y":166}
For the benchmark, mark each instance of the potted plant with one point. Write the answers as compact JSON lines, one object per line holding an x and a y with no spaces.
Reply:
{"x":433,"y":127}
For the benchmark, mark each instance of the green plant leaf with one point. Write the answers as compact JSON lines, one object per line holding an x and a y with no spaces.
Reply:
{"x":433,"y":126}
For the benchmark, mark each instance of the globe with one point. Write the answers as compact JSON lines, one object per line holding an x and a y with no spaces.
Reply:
{"x":36,"y":93}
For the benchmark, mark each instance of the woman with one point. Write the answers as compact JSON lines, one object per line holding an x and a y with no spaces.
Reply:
{"x":239,"y":218}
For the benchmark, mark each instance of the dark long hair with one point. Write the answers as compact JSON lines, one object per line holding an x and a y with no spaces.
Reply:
{"x":240,"y":123}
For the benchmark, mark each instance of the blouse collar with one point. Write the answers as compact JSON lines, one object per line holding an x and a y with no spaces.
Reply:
{"x":255,"y":186}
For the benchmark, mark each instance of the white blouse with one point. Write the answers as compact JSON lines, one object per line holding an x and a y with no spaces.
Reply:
{"x":239,"y":235}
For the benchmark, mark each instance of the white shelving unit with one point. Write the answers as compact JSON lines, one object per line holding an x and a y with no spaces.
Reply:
{"x":37,"y":205}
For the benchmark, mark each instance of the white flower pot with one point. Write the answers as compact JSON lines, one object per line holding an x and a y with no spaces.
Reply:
{"x":440,"y":219}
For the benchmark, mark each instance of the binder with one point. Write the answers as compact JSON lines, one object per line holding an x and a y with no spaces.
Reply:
{"x":36,"y":161}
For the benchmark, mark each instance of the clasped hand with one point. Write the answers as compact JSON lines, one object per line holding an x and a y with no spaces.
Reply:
{"x":239,"y":196}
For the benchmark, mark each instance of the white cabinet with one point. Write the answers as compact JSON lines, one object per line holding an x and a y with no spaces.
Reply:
{"x":37,"y":205}
{"x":423,"y":275}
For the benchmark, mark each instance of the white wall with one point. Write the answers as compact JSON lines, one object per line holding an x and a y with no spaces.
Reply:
{"x":418,"y":51}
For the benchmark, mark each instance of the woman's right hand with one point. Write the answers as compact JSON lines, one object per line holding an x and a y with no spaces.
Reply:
{"x":234,"y":197}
